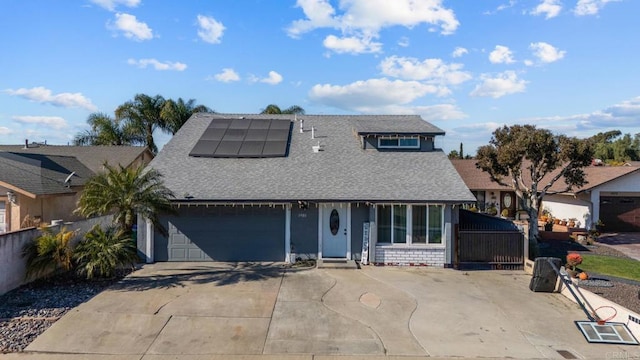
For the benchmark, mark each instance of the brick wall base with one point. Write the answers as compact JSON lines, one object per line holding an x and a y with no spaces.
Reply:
{"x":410,"y":256}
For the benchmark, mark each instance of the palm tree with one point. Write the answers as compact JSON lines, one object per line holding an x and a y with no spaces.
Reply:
{"x":143,"y":114}
{"x":275,"y":109}
{"x":176,"y":113}
{"x":106,"y":131}
{"x":49,"y":253}
{"x":126,"y":192}
{"x":103,"y":251}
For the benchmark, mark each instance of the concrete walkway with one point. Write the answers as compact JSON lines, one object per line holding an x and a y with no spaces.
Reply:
{"x":229,"y":311}
{"x":627,"y":243}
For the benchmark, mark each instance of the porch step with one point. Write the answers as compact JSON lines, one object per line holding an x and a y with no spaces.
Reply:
{"x":336,"y":264}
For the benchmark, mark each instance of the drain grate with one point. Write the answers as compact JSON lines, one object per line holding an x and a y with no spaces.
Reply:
{"x":566,"y":354}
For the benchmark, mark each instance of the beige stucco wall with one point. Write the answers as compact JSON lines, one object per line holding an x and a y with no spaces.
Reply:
{"x":48,"y":208}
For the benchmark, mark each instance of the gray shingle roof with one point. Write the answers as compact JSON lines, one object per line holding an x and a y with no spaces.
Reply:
{"x":342,"y":171}
{"x":42,"y":174}
{"x":407,"y":124}
{"x":91,"y":156}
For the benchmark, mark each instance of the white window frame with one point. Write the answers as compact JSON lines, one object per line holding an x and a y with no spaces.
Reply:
{"x":398,"y":146}
{"x":409,"y":225}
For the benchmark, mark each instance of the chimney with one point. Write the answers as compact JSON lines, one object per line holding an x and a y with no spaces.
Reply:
{"x":313,"y":132}
{"x":301,"y":126}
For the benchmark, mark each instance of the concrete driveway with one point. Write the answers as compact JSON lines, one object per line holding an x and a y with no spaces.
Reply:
{"x":215,"y":310}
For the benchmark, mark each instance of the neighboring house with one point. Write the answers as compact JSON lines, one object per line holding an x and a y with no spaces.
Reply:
{"x":45,"y":181}
{"x":278,"y":187}
{"x":612,"y":195}
{"x":488,"y":193}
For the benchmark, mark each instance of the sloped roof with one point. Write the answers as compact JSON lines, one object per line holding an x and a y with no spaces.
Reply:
{"x":408,"y":124}
{"x":91,"y":156}
{"x":342,"y":171}
{"x":476,"y":179}
{"x":38,"y":174}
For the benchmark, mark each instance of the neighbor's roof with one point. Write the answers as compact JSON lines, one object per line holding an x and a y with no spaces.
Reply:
{"x":342,"y":171}
{"x":476,"y":179}
{"x":92,"y":157}
{"x":36,"y":174}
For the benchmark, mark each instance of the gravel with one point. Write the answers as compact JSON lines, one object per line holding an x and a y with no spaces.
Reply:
{"x":29,"y":310}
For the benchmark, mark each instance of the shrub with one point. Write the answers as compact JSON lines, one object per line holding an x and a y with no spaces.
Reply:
{"x":573,"y":260}
{"x":103,"y":251}
{"x":49,"y":253}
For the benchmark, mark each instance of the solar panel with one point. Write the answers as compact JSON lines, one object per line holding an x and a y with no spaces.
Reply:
{"x":244,"y":138}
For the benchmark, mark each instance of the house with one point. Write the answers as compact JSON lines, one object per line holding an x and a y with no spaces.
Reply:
{"x":279,"y":187}
{"x":611,"y":195}
{"x":488,"y":193}
{"x":44,"y":182}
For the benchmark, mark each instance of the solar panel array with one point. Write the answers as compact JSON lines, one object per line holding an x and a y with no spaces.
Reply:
{"x":244,"y":138}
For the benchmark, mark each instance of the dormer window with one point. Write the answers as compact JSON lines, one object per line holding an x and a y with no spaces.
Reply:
{"x":405,"y":142}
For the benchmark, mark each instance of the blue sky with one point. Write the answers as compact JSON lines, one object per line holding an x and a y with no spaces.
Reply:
{"x":466,"y":66}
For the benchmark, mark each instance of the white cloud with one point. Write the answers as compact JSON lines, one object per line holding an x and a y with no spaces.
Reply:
{"x":227,"y":75}
{"x":351,"y":45}
{"x":548,"y":8}
{"x":273,"y":79}
{"x":505,"y":83}
{"x":5,"y":131}
{"x":590,"y":7}
{"x":546,"y":53}
{"x":501,"y":7}
{"x":43,"y":95}
{"x":370,"y":95}
{"x":158,"y":65}
{"x":131,"y":27}
{"x":364,"y":19}
{"x":431,"y":71}
{"x":403,"y":41}
{"x":54,"y":122}
{"x":501,"y":55}
{"x":210,"y":30}
{"x":112,"y":4}
{"x":459,"y":51}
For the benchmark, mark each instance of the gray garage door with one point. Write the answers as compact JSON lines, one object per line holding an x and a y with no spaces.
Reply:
{"x":620,"y":213}
{"x":223,"y":234}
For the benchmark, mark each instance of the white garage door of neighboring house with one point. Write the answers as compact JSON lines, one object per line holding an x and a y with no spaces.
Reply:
{"x":3,"y":219}
{"x":223,"y":233}
{"x":620,"y":213}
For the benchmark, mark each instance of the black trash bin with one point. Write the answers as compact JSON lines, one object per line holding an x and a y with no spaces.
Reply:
{"x":544,"y":276}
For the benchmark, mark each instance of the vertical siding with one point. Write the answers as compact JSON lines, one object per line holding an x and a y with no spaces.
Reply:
{"x":359,"y":215}
{"x":304,"y":231}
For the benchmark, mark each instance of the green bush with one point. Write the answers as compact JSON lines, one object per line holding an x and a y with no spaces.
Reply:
{"x":49,"y":253}
{"x":103,"y":251}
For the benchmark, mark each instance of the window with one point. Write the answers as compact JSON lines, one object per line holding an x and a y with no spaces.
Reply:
{"x":412,"y":142}
{"x":416,"y":224}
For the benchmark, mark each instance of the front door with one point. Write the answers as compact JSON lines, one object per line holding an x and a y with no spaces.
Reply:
{"x":334,"y":232}
{"x":509,"y":202}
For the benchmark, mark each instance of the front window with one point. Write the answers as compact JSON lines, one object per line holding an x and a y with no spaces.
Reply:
{"x":415,"y":224}
{"x":411,"y":142}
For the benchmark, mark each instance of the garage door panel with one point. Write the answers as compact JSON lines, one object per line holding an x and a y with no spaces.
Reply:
{"x":620,"y":213}
{"x":224,"y":234}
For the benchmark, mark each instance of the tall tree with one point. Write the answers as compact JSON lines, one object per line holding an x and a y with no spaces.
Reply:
{"x":107,"y":131}
{"x":126,"y":192}
{"x":175,"y":113}
{"x":143,"y":114}
{"x":530,"y":161}
{"x":275,"y":109}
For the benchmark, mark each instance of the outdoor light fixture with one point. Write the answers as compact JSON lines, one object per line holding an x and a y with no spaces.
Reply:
{"x":12,"y":197}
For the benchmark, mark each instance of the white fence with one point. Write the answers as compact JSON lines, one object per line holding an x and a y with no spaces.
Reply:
{"x":13,"y":265}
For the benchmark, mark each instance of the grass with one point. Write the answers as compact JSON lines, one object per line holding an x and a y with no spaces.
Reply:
{"x":610,"y":265}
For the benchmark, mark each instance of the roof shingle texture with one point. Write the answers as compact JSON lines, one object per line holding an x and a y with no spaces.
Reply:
{"x":342,"y":171}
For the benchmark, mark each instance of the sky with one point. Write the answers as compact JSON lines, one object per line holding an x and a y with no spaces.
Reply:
{"x":468,"y":67}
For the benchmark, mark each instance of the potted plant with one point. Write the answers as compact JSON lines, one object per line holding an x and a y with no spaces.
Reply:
{"x":573,"y":260}
{"x":572,"y":222}
{"x":504,"y":213}
{"x":492,"y":210}
{"x":548,"y":225}
{"x":599,"y":225}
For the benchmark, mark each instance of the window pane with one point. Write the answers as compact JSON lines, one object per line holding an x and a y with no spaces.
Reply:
{"x":435,"y":224}
{"x":388,"y":142}
{"x":399,"y":224}
{"x":419,"y":224}
{"x":409,"y":142}
{"x":384,"y":224}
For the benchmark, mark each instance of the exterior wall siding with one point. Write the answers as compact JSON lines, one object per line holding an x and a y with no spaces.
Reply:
{"x":371,"y":142}
{"x":304,"y":232}
{"x":408,"y":255}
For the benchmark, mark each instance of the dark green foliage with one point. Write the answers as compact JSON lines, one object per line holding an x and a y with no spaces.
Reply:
{"x":107,"y":131}
{"x":175,"y":113}
{"x":126,"y":192}
{"x":143,"y":115}
{"x":612,"y":148}
{"x":49,"y":253}
{"x":104,"y":251}
{"x":275,"y":109}
{"x":531,"y":160}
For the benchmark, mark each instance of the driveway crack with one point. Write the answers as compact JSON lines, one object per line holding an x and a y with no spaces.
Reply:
{"x":273,"y":309}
